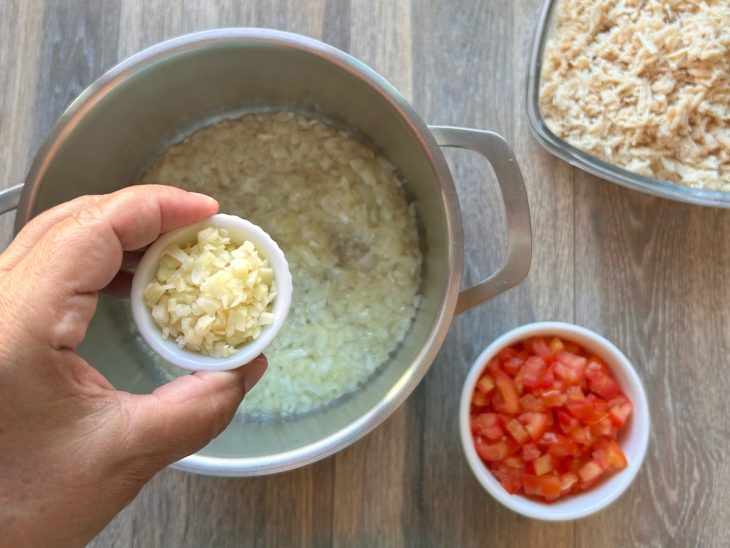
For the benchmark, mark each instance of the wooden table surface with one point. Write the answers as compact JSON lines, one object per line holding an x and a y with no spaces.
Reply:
{"x":650,"y":274}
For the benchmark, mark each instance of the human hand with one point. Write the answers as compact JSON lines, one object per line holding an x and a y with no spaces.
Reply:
{"x":73,"y":450}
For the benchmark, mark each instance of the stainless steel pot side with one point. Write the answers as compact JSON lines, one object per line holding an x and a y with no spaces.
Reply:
{"x":112,"y":132}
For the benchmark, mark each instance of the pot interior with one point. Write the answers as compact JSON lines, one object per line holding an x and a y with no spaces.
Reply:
{"x":115,"y":131}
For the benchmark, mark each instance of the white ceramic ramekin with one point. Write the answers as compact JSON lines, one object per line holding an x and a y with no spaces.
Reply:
{"x":633,"y":437}
{"x":239,"y":231}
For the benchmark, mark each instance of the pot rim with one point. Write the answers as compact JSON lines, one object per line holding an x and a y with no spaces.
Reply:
{"x":378,"y":413}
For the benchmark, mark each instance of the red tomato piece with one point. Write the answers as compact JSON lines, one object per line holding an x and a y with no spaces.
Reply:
{"x":523,"y":355}
{"x":494,"y":365}
{"x":590,"y":472}
{"x":487,"y":426}
{"x":535,"y":423}
{"x":569,"y":367}
{"x":491,"y":452}
{"x":573,"y":348}
{"x":514,"y":461}
{"x":528,"y":402}
{"x":486,"y":384}
{"x":556,"y":345}
{"x":609,"y":455}
{"x":547,"y":486}
{"x":562,"y":447}
{"x":567,"y":481}
{"x":580,"y":409}
{"x":508,"y":352}
{"x":517,"y":431}
{"x":548,"y":379}
{"x":511,"y":479}
{"x":512,"y":366}
{"x":582,"y":435}
{"x":506,"y":389}
{"x":484,"y":420}
{"x":604,"y":428}
{"x":478,"y":399}
{"x":600,"y":382}
{"x":574,"y":393}
{"x":531,"y":484}
{"x":619,"y":410}
{"x":566,"y":421}
{"x":533,"y":371}
{"x":530,"y":452}
{"x":543,"y":465}
{"x":553,"y":398}
{"x":539,"y":346}
{"x":550,"y":487}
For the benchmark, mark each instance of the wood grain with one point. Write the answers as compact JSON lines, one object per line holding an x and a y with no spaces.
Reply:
{"x":649,"y":274}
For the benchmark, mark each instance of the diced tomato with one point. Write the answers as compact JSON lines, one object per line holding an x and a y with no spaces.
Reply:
{"x":531,"y":484}
{"x":600,"y":382}
{"x":604,"y":428}
{"x":569,"y":367}
{"x":553,"y":398}
{"x":530,"y":452}
{"x":548,"y":379}
{"x":483,"y":420}
{"x":494,"y":365}
{"x":487,"y":426}
{"x":574,"y":393}
{"x":590,"y":472}
{"x":533,"y":371}
{"x":573,"y":348}
{"x":510,"y":478}
{"x":517,"y":431}
{"x":528,"y":402}
{"x":535,"y":423}
{"x":547,"y":486}
{"x":619,"y":410}
{"x":556,"y":345}
{"x":486,"y":384}
{"x":580,"y":409}
{"x":567,"y":481}
{"x":539,"y":346}
{"x":609,"y":455}
{"x":562,"y":447}
{"x":492,"y":452}
{"x":543,"y":465}
{"x":582,"y":435}
{"x":514,"y":461}
{"x":507,"y":352}
{"x":566,"y":421}
{"x":506,"y":388}
{"x":550,"y":487}
{"x":478,"y":399}
{"x":545,"y":416}
{"x":512,"y":366}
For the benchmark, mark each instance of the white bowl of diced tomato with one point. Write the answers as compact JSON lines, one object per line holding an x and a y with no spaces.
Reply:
{"x":554,"y":421}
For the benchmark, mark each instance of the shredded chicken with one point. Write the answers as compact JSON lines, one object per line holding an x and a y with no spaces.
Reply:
{"x":643,"y":84}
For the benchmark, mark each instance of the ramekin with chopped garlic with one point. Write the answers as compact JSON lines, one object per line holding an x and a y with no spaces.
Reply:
{"x":212,"y":295}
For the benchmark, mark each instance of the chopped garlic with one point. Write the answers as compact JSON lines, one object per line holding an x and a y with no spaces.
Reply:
{"x":212,"y":295}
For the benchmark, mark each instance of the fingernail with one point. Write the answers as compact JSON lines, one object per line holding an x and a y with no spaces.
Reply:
{"x":254,"y":371}
{"x":204,"y":196}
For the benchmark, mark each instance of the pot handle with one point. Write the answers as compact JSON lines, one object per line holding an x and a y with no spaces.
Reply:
{"x":9,"y":198}
{"x":517,"y":211}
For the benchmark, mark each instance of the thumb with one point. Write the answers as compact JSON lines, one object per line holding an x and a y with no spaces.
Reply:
{"x":182,"y":416}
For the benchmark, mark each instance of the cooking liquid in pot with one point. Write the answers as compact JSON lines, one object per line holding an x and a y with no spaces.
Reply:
{"x":342,"y":219}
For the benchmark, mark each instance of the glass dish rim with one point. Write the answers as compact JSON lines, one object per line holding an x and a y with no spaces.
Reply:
{"x":587,"y":162}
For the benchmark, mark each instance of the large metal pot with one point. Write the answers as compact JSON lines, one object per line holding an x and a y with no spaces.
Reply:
{"x":116,"y":128}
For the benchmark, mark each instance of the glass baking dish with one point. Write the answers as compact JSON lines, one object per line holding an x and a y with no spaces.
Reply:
{"x":588,"y":162}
